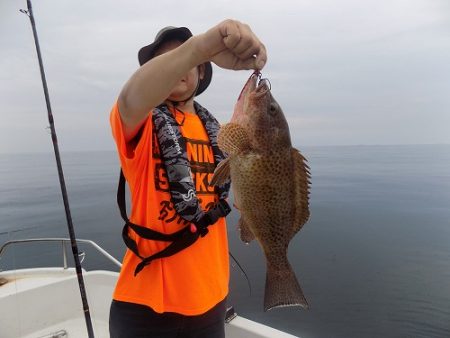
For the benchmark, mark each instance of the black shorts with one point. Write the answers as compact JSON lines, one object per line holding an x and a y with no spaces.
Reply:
{"x":129,"y":320}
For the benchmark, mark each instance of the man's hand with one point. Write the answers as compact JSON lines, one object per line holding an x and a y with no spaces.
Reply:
{"x":231,"y":45}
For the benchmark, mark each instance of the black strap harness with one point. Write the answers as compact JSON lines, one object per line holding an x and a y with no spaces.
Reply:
{"x":173,"y":154}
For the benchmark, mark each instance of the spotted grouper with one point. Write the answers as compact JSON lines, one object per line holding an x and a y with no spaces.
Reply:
{"x":270,"y":181}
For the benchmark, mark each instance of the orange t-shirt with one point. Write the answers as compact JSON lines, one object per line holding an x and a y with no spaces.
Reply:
{"x":194,"y":280}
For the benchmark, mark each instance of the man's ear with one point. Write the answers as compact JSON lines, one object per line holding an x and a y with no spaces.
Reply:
{"x":201,"y":71}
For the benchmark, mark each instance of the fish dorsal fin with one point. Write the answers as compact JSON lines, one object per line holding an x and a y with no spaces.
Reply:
{"x":222,"y":173}
{"x":233,"y":139}
{"x":302,"y":183}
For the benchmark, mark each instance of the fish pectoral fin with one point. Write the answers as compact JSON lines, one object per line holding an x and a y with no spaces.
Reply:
{"x":245,"y":233}
{"x":302,"y":184}
{"x":233,"y":138}
{"x":222,"y":173}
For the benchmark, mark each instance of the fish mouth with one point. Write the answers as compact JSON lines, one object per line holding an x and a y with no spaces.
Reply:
{"x":262,"y":88}
{"x":250,"y":85}
{"x":255,"y":84}
{"x":254,"y":88}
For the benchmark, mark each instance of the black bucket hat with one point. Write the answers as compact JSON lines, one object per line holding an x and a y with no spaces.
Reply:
{"x":171,"y":33}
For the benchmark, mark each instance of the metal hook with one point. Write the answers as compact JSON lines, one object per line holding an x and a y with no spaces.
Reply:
{"x":259,"y":74}
{"x":267,"y":81}
{"x":256,"y":73}
{"x":261,"y":79}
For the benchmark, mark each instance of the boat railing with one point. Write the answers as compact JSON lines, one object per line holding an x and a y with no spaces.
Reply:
{"x":64,"y":242}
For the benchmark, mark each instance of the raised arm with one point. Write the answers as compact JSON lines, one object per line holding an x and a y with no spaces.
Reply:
{"x":230,"y":45}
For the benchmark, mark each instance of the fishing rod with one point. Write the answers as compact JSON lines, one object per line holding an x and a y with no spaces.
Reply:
{"x":62,"y":183}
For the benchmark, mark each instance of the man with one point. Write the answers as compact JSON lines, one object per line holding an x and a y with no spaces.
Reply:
{"x":167,"y":147}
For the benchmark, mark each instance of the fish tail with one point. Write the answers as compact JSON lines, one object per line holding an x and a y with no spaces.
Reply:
{"x":282,"y":288}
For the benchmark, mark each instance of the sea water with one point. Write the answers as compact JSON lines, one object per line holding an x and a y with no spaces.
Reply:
{"x":373,"y":260}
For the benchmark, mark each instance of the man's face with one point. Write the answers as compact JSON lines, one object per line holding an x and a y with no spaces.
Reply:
{"x":187,"y":84}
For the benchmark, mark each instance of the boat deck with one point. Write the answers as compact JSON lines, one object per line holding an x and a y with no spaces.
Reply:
{"x":45,"y":302}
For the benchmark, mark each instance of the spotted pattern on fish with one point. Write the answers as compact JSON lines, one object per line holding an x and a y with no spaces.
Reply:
{"x":270,"y":182}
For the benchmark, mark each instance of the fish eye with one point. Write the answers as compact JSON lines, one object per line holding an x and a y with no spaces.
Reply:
{"x":273,"y":108}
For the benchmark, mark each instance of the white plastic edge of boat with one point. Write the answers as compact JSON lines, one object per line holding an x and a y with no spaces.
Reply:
{"x":45,"y":302}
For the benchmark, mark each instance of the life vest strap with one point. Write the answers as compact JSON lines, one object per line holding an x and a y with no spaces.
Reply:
{"x":187,"y":239}
{"x":173,"y":153}
{"x":180,"y":239}
{"x":220,"y":209}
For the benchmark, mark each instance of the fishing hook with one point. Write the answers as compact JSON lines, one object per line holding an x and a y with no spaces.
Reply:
{"x":261,"y":79}
{"x":258,"y":74}
{"x":266,"y":80}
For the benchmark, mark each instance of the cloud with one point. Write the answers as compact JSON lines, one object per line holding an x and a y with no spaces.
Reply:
{"x":340,"y":70}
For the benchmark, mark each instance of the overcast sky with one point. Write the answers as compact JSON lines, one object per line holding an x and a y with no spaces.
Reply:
{"x":344,"y":72}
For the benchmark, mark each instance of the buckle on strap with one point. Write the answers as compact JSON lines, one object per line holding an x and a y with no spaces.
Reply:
{"x":224,"y":207}
{"x":221,"y":209}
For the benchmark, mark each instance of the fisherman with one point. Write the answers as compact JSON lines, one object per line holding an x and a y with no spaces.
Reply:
{"x":175,"y":273}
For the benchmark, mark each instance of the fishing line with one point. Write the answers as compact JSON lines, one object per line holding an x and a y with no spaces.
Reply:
{"x":70,"y":227}
{"x":243,"y":272}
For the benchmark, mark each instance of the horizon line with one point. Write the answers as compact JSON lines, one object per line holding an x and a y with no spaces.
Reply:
{"x":306,"y":146}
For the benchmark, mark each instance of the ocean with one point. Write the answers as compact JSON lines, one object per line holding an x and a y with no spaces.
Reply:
{"x":373,"y":260}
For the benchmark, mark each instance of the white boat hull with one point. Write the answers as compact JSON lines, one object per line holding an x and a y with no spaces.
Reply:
{"x":45,"y":302}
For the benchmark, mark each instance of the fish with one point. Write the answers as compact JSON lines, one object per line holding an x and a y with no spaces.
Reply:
{"x":271,"y":185}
